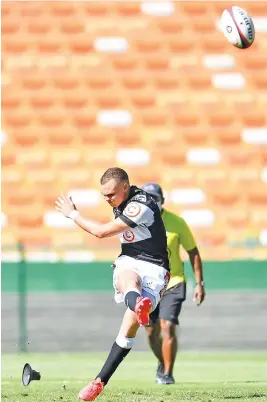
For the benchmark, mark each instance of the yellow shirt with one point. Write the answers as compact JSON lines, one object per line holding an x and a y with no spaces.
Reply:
{"x":178,"y":233}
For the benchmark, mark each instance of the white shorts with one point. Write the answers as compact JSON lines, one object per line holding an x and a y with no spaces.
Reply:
{"x":154,"y":278}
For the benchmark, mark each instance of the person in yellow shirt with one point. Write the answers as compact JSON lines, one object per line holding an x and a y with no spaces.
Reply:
{"x":161,"y":332}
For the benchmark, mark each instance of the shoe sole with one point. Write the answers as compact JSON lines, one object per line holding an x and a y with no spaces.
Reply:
{"x":143,"y":310}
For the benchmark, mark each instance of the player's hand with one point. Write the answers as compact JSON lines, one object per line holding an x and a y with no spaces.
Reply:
{"x":65,"y":205}
{"x":199,"y":294}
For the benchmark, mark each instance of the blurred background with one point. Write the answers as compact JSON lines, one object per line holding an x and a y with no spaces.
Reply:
{"x":155,"y":88}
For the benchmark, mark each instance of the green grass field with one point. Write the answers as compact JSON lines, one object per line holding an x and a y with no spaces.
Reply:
{"x":205,"y":377}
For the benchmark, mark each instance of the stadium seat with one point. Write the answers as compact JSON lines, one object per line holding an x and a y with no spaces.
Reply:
{"x":156,"y":63}
{"x":84,"y":120}
{"x":108,"y":100}
{"x":20,"y":119}
{"x":185,"y":44}
{"x":259,"y":81}
{"x":53,"y":118}
{"x":170,"y":26}
{"x":96,"y":9}
{"x":154,"y":118}
{"x":254,"y":119}
{"x":81,"y":46}
{"x":259,"y":196}
{"x":226,"y":197}
{"x":67,"y":81}
{"x":42,"y":100}
{"x":126,"y":138}
{"x":62,"y":10}
{"x":187,"y":119}
{"x":148,"y":45}
{"x":10,"y":27}
{"x":134,"y":82}
{"x":244,"y":156}
{"x":71,"y":27}
{"x":127,"y":9}
{"x":196,"y":137}
{"x":169,"y":82}
{"x":40,"y":27}
{"x":49,"y":45}
{"x":194,"y":8}
{"x":143,"y":100}
{"x":10,"y":101}
{"x":228,"y":137}
{"x":125,"y":63}
{"x":199,"y":81}
{"x":33,"y":82}
{"x":16,"y":46}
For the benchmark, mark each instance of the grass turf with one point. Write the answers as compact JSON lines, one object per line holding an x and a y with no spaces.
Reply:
{"x":205,"y":377}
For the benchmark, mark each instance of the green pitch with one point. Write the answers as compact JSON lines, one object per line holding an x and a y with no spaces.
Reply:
{"x":202,"y":377}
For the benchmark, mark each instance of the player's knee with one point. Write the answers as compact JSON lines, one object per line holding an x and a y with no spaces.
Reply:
{"x":168,"y":329}
{"x":124,"y":342}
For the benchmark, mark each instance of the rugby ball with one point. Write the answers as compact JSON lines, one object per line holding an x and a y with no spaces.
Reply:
{"x":237,"y":27}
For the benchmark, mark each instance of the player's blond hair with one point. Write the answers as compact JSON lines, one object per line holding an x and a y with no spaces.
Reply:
{"x":114,"y":173}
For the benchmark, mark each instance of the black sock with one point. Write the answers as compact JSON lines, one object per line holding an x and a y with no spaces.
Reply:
{"x":115,"y":357}
{"x":130,"y":299}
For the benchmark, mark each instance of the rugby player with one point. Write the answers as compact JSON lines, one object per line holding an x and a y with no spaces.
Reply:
{"x":164,"y":319}
{"x":141,"y":272}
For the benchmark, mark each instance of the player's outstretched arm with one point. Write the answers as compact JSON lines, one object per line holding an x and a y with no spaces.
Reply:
{"x":65,"y":205}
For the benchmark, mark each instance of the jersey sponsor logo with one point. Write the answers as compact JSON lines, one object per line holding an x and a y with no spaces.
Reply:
{"x":129,"y":236}
{"x":132,"y":210}
{"x":140,"y":197}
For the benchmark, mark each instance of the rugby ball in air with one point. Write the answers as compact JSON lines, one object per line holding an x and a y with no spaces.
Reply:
{"x":237,"y":27}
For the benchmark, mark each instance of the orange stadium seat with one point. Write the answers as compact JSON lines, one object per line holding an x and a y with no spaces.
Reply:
{"x":254,"y":119}
{"x":134,"y":82}
{"x":96,"y":9}
{"x":68,"y":81}
{"x":27,"y":138}
{"x":170,"y":26}
{"x":228,"y":137}
{"x":125,"y":63}
{"x":143,"y":100}
{"x":49,"y":45}
{"x":57,"y":80}
{"x":194,"y":8}
{"x":259,"y":81}
{"x":95,"y":136}
{"x":196,"y":137}
{"x":10,"y":27}
{"x":40,"y":27}
{"x":80,"y":46}
{"x":185,"y":44}
{"x":10,"y":101}
{"x":62,"y":9}
{"x":226,"y":197}
{"x":127,"y":9}
{"x":148,"y":45}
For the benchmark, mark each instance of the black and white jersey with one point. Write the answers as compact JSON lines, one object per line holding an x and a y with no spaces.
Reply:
{"x":146,"y":237}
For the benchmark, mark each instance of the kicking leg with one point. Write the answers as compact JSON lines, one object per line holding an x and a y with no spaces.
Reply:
{"x":129,"y":283}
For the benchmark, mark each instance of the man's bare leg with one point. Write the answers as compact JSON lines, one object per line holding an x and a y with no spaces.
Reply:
{"x":155,"y":340}
{"x":169,"y":345}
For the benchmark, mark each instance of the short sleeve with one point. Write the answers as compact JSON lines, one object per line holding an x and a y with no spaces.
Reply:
{"x":136,"y":214}
{"x":186,"y":237}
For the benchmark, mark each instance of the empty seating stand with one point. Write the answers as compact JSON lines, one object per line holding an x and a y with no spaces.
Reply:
{"x":89,"y":85}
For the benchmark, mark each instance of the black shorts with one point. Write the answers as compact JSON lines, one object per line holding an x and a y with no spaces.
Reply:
{"x":170,"y":305}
